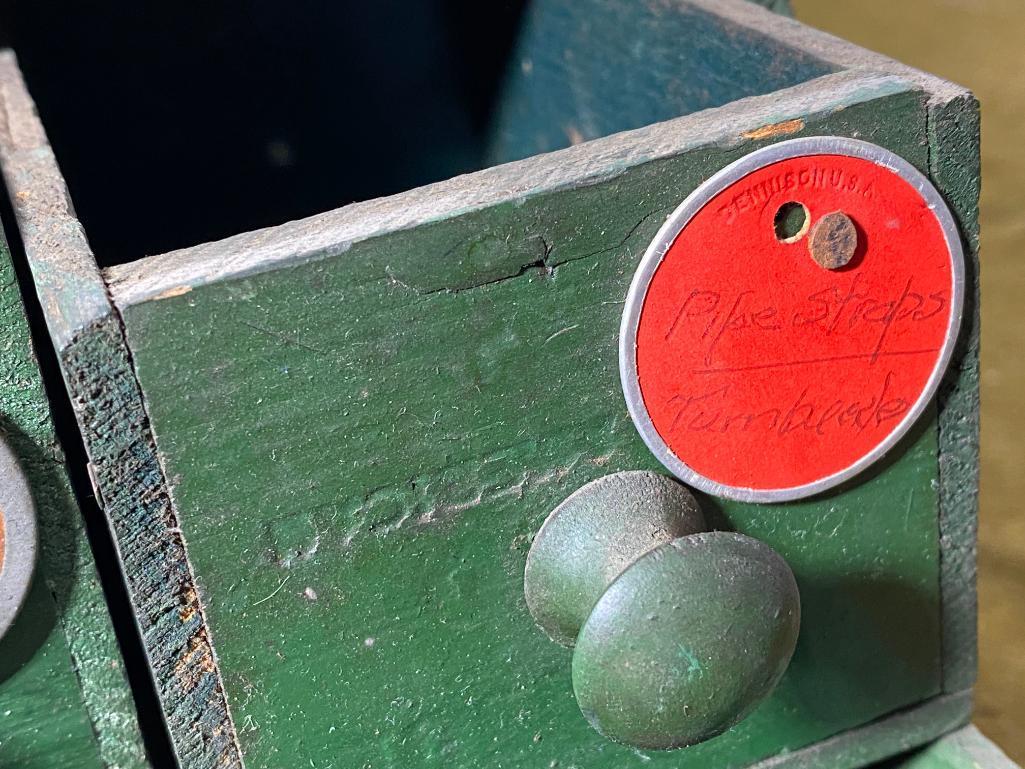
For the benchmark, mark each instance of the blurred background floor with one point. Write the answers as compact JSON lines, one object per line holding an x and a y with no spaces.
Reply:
{"x":979,"y":44}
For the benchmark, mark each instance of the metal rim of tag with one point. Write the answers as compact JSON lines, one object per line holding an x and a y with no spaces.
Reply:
{"x":20,"y":539}
{"x":666,"y":236}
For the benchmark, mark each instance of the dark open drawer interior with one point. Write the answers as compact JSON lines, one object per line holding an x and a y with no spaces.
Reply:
{"x":203,"y":124}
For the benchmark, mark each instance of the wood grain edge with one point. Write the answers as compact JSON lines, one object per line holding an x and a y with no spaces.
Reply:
{"x":334,"y":232}
{"x":66,"y":563}
{"x":953,"y":134}
{"x":130,"y":483}
{"x":68,"y":285}
{"x":107,"y":401}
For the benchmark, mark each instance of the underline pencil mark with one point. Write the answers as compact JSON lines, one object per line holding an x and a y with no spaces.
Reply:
{"x":812,"y":361}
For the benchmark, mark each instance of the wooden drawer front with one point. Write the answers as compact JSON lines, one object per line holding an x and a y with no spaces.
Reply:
{"x":64,"y":700}
{"x":325,"y":447}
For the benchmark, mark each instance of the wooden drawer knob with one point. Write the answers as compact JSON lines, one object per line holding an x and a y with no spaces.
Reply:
{"x":678,"y":632}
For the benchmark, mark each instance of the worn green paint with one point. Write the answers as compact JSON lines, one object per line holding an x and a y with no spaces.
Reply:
{"x":954,"y":164}
{"x":883,"y":738}
{"x":64,"y":702}
{"x":285,"y":473}
{"x":104,"y":394}
{"x":361,"y":449}
{"x":589,"y":68}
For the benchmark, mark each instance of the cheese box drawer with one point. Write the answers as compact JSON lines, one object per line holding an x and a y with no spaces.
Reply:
{"x":64,"y":698}
{"x":683,"y":376}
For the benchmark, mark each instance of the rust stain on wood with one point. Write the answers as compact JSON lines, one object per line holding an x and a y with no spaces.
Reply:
{"x":190,"y":601}
{"x":197,"y":662}
{"x":775,"y":129}
{"x":172,"y":292}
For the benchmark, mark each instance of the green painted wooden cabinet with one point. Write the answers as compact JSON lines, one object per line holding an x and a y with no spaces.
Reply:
{"x":324,"y":448}
{"x":64,"y":700}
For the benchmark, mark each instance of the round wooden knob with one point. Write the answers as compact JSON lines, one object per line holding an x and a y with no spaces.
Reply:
{"x":588,"y":540}
{"x":678,"y":633}
{"x":687,"y":642}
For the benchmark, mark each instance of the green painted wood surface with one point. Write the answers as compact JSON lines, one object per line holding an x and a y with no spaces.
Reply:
{"x":589,"y":68}
{"x":562,"y":94}
{"x":954,"y":165}
{"x":64,"y":702}
{"x":129,"y":483}
{"x":269,"y":361}
{"x":362,"y":445}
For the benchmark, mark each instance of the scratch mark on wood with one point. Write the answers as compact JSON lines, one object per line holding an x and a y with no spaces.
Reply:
{"x":276,"y":591}
{"x":284,"y":338}
{"x":172,"y":292}
{"x":560,"y":332}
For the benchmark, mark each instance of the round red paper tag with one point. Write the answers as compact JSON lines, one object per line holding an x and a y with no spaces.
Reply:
{"x":755,"y":373}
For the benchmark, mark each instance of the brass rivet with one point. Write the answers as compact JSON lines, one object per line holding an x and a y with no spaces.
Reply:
{"x":833,"y":240}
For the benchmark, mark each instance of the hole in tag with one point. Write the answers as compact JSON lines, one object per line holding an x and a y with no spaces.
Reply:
{"x":791,"y":222}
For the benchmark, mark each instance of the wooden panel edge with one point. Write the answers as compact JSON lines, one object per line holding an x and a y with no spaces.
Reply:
{"x":130,"y":483}
{"x":328,"y":234}
{"x":66,"y":564}
{"x":953,"y":134}
{"x":63,"y":269}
